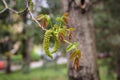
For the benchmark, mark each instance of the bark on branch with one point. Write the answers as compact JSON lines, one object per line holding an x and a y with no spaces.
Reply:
{"x":17,"y":12}
{"x":6,"y":7}
{"x":33,"y":18}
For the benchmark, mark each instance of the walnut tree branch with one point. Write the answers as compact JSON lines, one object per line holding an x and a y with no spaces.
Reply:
{"x":6,"y":7}
{"x":17,"y":12}
{"x":33,"y":18}
{"x":5,"y":4}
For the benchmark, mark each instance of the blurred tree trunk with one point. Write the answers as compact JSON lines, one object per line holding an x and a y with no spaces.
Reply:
{"x":26,"y":53}
{"x":84,"y":35}
{"x":8,"y":45}
{"x":27,"y":45}
{"x":118,"y":70}
{"x":8,"y":65}
{"x":118,"y":66}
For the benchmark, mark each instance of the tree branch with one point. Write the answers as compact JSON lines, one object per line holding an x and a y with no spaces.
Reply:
{"x":33,"y":18}
{"x":6,"y":7}
{"x":3,"y":10}
{"x":5,"y":4}
{"x":14,"y":11}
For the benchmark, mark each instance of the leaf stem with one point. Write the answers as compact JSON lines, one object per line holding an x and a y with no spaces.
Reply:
{"x":67,"y":42}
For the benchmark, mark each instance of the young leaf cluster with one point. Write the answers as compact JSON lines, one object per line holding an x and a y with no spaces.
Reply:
{"x":60,"y":34}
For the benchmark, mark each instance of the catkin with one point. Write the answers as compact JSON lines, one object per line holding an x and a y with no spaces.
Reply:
{"x":46,"y":42}
{"x":56,"y":45}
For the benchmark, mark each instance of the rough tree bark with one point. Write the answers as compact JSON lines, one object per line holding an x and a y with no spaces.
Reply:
{"x":84,"y":35}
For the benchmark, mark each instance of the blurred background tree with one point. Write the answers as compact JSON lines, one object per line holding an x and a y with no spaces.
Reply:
{"x":106,"y":19}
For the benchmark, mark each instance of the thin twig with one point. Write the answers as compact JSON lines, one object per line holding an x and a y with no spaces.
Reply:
{"x":6,"y":7}
{"x":4,"y":2}
{"x":3,"y":10}
{"x":33,"y":18}
{"x":67,"y":42}
{"x":14,"y":11}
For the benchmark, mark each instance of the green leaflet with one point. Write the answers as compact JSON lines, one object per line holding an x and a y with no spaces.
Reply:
{"x":63,"y":30}
{"x":75,"y":53}
{"x":71,"y":46}
{"x":79,"y":53}
{"x":31,"y":5}
{"x":41,"y":16}
{"x":59,"y":19}
{"x":48,"y":18}
{"x":71,"y":29}
{"x":68,"y":47}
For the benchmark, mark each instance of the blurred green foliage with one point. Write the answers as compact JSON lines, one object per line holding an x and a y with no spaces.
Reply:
{"x":18,"y":58}
{"x":35,"y":57}
{"x":104,"y":72}
{"x":106,"y":19}
{"x":49,"y":73}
